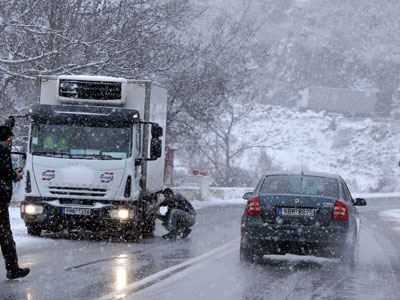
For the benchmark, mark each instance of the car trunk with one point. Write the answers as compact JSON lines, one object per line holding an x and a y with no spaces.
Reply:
{"x":297,"y":210}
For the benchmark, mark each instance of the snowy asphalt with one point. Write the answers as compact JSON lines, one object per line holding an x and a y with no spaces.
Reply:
{"x":206,"y":266}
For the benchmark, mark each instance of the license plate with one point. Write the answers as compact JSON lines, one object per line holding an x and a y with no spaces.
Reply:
{"x":76,"y":211}
{"x":297,"y":212}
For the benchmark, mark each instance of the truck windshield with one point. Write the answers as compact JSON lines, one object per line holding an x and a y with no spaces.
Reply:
{"x":79,"y":141}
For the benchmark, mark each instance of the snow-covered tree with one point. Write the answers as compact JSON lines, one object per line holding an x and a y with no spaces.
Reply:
{"x":134,"y":39}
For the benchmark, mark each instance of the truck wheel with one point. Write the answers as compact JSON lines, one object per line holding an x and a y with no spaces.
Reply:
{"x":147,"y":228}
{"x":34,"y":230}
{"x":129,"y":235}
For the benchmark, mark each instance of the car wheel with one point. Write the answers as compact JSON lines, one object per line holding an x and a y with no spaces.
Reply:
{"x":349,"y":254}
{"x":249,"y":255}
{"x":330,"y":251}
{"x":34,"y":230}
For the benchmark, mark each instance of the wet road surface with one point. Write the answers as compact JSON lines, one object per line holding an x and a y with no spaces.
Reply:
{"x":69,"y":268}
{"x":206,"y":266}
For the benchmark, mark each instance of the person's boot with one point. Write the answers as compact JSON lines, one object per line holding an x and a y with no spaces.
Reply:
{"x":17,"y":273}
{"x":186,"y":232}
{"x":170,"y":235}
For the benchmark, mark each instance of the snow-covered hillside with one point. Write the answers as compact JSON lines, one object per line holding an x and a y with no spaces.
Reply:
{"x":364,"y":152}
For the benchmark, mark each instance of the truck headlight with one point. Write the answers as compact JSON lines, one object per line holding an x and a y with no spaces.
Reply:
{"x":32,"y":209}
{"x":121,"y":214}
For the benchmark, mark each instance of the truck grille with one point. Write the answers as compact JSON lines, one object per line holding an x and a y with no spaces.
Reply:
{"x":74,"y":191}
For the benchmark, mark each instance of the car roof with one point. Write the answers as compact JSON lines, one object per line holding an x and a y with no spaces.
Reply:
{"x":305,"y":173}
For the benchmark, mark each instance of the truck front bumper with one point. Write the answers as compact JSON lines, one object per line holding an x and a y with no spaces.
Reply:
{"x":52,"y":215}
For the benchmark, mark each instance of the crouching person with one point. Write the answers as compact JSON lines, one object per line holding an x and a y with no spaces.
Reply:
{"x":180,"y":215}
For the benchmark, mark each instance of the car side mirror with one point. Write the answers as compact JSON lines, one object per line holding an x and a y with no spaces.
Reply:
{"x":248,"y":195}
{"x":360,"y":202}
{"x":10,"y":122}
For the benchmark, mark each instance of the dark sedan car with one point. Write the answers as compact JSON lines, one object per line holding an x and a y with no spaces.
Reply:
{"x":307,"y":213}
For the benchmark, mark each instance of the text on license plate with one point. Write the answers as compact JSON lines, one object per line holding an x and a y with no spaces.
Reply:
{"x":294,"y":211}
{"x":76,"y":211}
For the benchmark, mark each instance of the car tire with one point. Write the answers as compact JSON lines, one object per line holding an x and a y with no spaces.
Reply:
{"x":249,"y":255}
{"x":34,"y":230}
{"x":349,"y":255}
{"x":330,"y":251}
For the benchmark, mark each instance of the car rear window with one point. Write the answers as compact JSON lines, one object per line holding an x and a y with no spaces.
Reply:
{"x":300,"y":185}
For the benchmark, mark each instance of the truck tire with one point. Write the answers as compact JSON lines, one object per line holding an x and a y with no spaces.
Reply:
{"x":147,"y":228}
{"x":147,"y":223}
{"x":129,"y":234}
{"x":34,"y":230}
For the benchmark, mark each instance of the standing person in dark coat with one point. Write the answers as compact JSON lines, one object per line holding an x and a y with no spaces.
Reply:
{"x":179,"y":217}
{"x":7,"y":176}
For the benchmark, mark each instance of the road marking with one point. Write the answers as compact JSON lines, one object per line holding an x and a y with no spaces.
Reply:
{"x":217,"y":253}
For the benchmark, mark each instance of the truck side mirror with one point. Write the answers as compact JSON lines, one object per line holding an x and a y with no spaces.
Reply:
{"x":156,"y":131}
{"x":155,"y":148}
{"x":10,"y":122}
{"x":23,"y":154}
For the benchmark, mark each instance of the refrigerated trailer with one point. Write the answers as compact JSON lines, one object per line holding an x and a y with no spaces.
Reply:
{"x":92,"y":140}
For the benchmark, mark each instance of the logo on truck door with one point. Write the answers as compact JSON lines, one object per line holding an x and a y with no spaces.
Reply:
{"x":106,"y":177}
{"x":49,"y":175}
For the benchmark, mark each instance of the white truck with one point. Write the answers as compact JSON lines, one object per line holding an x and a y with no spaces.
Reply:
{"x":95,"y":155}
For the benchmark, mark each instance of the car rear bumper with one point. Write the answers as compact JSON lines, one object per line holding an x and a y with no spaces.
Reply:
{"x":256,"y":235}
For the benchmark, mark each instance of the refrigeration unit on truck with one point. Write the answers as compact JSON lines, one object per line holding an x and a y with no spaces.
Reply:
{"x":91,"y":140}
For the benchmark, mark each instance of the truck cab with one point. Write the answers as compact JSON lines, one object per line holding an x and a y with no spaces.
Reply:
{"x":92,"y":139}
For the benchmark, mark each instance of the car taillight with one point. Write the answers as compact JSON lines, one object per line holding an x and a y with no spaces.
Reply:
{"x":253,"y":207}
{"x":340,"y":211}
